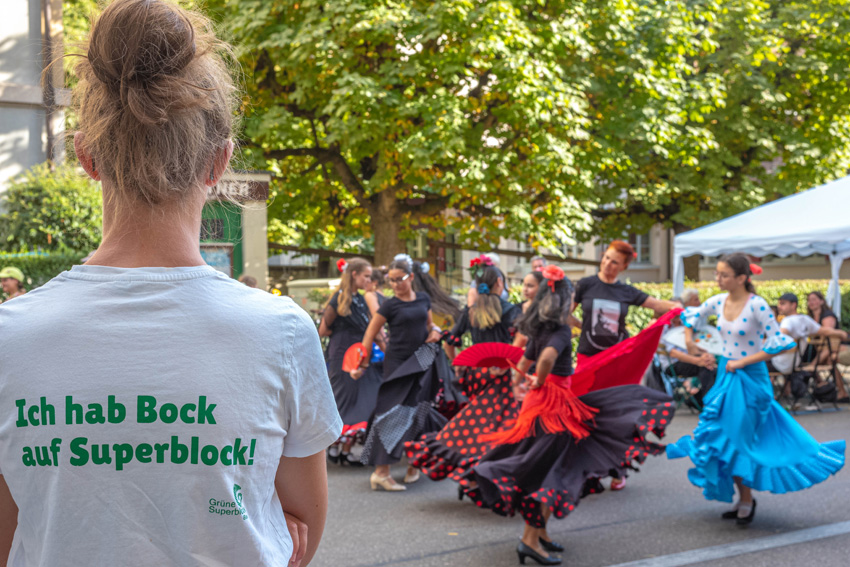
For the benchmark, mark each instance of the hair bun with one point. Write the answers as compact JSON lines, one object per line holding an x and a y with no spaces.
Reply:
{"x":139,"y":42}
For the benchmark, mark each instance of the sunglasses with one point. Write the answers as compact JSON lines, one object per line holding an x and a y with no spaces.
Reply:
{"x":398,"y":280}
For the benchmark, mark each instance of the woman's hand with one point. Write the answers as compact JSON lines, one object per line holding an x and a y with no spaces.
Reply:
{"x":357,"y":373}
{"x":434,"y":336}
{"x":298,"y":533}
{"x":535,"y":381}
{"x":519,"y":387}
{"x":733,"y":365}
{"x":707,"y":361}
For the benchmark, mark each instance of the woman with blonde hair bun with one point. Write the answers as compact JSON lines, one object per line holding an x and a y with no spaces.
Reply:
{"x":179,"y":417}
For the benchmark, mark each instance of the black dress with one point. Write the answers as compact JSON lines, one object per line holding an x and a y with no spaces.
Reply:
{"x":414,"y":373}
{"x":355,"y":399}
{"x":453,"y":450}
{"x":557,"y":469}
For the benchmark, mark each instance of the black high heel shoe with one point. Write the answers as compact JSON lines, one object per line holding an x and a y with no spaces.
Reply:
{"x":551,"y":545}
{"x":524,"y":551}
{"x":748,"y":519}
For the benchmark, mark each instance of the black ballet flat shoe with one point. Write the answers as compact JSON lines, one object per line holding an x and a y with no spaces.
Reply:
{"x":331,"y":457}
{"x":551,"y":545}
{"x":748,"y":519}
{"x":524,"y":551}
{"x":460,"y":493}
{"x":347,"y":459}
{"x":730,"y":515}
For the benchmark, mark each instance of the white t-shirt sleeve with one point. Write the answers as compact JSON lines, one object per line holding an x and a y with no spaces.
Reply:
{"x":311,"y":418}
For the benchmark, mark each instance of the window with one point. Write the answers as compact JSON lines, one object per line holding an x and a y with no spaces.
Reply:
{"x":640,"y":242}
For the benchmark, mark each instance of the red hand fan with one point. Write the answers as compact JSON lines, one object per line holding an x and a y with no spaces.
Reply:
{"x":500,"y":355}
{"x":353,"y":356}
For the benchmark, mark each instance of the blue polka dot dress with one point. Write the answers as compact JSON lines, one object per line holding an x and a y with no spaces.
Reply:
{"x":742,"y":431}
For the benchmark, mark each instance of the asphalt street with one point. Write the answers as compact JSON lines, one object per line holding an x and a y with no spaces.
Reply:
{"x":659,"y":520}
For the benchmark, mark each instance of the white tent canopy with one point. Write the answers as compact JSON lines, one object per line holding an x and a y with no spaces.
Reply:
{"x":816,"y":221}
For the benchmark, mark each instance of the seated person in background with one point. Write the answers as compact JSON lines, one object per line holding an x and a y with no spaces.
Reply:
{"x":702,"y":367}
{"x":800,"y":327}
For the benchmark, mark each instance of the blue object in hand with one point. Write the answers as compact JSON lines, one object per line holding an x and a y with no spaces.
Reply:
{"x":377,"y":353}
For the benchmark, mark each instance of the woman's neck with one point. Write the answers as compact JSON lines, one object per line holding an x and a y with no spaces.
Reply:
{"x":410,"y":295}
{"x":138,"y":236}
{"x":605,"y":279}
{"x":739,"y":293}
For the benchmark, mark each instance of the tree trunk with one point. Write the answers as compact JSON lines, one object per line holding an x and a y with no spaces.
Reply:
{"x":691,"y":262}
{"x":386,"y":221}
{"x":692,"y":267}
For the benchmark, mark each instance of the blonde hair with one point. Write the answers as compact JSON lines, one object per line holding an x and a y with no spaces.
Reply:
{"x":155,"y":99}
{"x":487,"y":311}
{"x":346,"y":286}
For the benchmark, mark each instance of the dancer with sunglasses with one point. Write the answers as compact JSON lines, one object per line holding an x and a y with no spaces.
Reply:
{"x":744,"y":438}
{"x":455,"y":448}
{"x":345,"y":318}
{"x":403,"y":410}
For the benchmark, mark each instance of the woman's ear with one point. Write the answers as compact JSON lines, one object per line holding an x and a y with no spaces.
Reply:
{"x":85,"y":158}
{"x":220,"y":162}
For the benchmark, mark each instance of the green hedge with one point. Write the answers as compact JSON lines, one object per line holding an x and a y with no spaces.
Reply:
{"x":40,"y":268}
{"x":638,"y":319}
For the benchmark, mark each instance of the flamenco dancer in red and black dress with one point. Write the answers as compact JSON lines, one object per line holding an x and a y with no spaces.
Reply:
{"x":561,"y":444}
{"x":451,"y":451}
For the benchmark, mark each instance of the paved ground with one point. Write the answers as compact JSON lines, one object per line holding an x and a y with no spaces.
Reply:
{"x":658,"y":515}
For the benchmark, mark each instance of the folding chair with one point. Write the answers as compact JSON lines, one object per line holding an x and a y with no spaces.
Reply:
{"x":675,"y":384}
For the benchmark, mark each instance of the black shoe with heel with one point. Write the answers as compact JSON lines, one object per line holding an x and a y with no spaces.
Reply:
{"x":730,"y":515}
{"x":748,"y":519}
{"x":524,"y":551}
{"x":551,"y":545}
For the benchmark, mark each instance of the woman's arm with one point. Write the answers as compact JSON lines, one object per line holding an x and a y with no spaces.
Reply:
{"x":659,"y":305}
{"x":8,"y":521}
{"x":545,"y":363}
{"x":372,"y":302}
{"x":434,"y":332}
{"x":328,"y":318}
{"x":372,"y":330}
{"x":302,"y":487}
{"x":760,"y":356}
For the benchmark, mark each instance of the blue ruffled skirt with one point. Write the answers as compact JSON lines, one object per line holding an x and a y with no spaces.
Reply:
{"x":743,"y":432}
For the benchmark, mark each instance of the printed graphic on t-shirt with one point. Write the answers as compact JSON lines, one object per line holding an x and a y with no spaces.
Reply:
{"x":606,"y":322}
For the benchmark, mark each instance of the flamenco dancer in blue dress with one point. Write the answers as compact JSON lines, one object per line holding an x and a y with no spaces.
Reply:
{"x":744,"y":437}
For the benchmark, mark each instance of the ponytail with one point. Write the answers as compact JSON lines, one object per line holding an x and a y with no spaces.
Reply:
{"x":487,"y":311}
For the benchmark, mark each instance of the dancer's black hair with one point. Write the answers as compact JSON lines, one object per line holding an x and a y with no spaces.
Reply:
{"x":549,"y":309}
{"x":441,"y":302}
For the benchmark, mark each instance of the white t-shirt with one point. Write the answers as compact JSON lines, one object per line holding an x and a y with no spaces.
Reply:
{"x":143,"y":414}
{"x":799,"y":327}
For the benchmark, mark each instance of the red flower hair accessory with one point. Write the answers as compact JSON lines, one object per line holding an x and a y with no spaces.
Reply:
{"x":477,"y":265}
{"x":341,"y":264}
{"x":553,"y":274}
{"x":755,"y":269}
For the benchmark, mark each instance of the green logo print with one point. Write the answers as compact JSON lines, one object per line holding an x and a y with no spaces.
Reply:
{"x":237,"y":495}
{"x":227,"y":507}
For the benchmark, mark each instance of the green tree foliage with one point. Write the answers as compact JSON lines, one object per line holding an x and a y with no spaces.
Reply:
{"x":386,"y":117}
{"x":764,"y":112}
{"x":57,"y":210}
